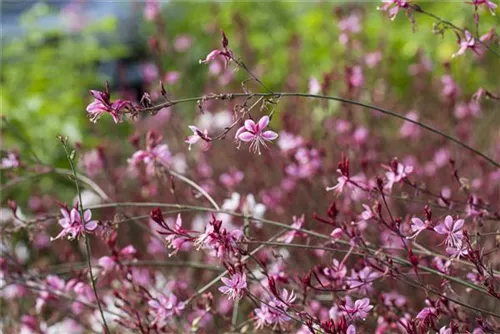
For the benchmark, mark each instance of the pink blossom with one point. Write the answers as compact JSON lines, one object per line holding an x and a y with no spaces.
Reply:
{"x":427,"y":314}
{"x":372,"y":59}
{"x":355,"y":77}
{"x":487,"y":3}
{"x":155,"y":153}
{"x":92,"y":162}
{"x":73,"y":226}
{"x":179,"y":238}
{"x":342,"y":181}
{"x":314,"y":86}
{"x":305,"y":164}
{"x":453,"y":231}
{"x":254,"y":133}
{"x":102,"y":104}
{"x":468,"y":42}
{"x":450,"y":88}
{"x":297,"y":224}
{"x":182,"y":43}
{"x":359,"y":309}
{"x":351,"y":329}
{"x":337,"y":271}
{"x":408,"y":129}
{"x":10,"y":161}
{"x":151,"y":9}
{"x":393,"y":6}
{"x":196,"y":136}
{"x":234,"y":286}
{"x":397,"y":173}
{"x":289,"y":142}
{"x":164,"y":308}
{"x":417,"y":226}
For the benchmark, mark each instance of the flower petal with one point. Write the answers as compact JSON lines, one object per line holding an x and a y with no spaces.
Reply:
{"x":269,"y":135}
{"x":246,"y":136}
{"x":263,"y":122}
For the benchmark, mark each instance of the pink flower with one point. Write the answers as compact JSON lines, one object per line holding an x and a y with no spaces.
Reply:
{"x":417,"y":226}
{"x":263,"y":316}
{"x":342,"y":181}
{"x":73,"y":226}
{"x":102,"y":104}
{"x":179,"y":238}
{"x":196,"y":136}
{"x":393,"y":6}
{"x":487,"y":3}
{"x":427,"y":314}
{"x":155,"y":153}
{"x":337,"y":271}
{"x":232,"y":178}
{"x":234,"y":286}
{"x":397,"y":173}
{"x":468,"y":42}
{"x":10,"y":161}
{"x":255,"y":133}
{"x":289,"y":142}
{"x":314,"y":86}
{"x":225,"y":52}
{"x":165,"y":308}
{"x":408,"y":129}
{"x":351,"y":329}
{"x":359,"y":309}
{"x":298,"y":223}
{"x":182,"y":43}
{"x":452,"y":230}
{"x":151,"y":9}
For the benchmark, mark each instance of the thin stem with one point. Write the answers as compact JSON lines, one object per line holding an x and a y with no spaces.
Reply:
{"x":371,"y":251}
{"x":230,"y":96}
{"x":87,"y":240}
{"x":195,"y":186}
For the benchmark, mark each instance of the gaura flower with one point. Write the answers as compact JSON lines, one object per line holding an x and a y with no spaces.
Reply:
{"x":254,"y":133}
{"x":102,"y":104}
{"x":234,"y":286}
{"x":72,"y":224}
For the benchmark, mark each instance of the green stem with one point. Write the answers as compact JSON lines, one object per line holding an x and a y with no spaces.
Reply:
{"x":87,"y":240}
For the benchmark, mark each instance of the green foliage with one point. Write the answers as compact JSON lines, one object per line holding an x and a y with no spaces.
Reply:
{"x":45,"y":77}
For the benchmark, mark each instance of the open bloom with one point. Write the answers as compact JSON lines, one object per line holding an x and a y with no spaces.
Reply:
{"x":196,"y":136}
{"x":234,"y":286}
{"x":254,"y":133}
{"x":468,"y":42}
{"x":358,"y":309}
{"x":165,"y":308}
{"x":102,"y":104}
{"x":452,"y":230}
{"x":397,"y":174}
{"x":72,"y":224}
{"x":153,"y":154}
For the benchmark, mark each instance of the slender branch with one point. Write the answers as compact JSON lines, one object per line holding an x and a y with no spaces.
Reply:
{"x":230,"y":96}
{"x":70,"y":157}
{"x":371,"y":251}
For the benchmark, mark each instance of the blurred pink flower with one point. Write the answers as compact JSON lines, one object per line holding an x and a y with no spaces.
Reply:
{"x":453,"y":231}
{"x":151,"y":9}
{"x":393,"y":6}
{"x":359,"y":309}
{"x":182,"y":43}
{"x":196,"y":136}
{"x":164,"y":308}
